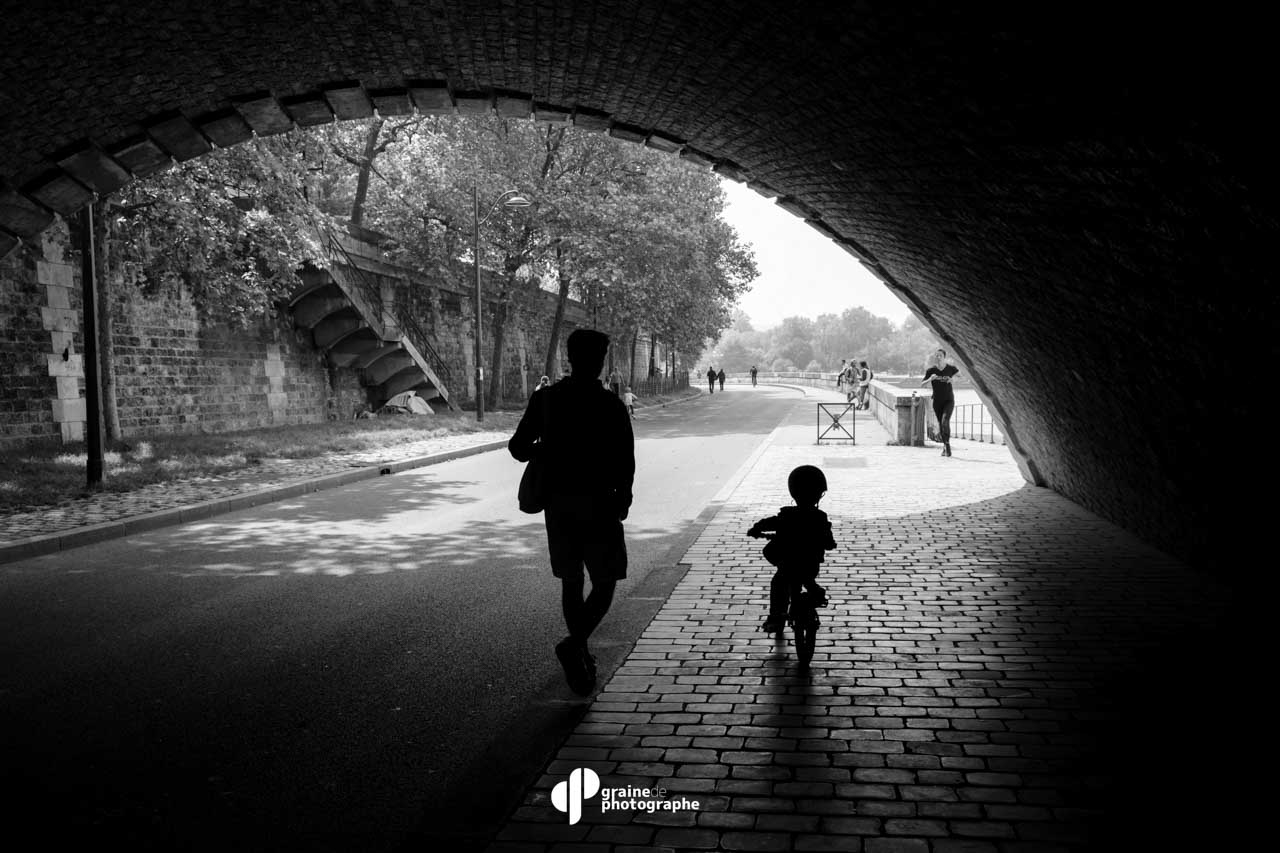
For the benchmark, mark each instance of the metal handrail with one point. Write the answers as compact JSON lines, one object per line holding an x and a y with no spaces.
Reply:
{"x":972,"y":421}
{"x":404,"y":320}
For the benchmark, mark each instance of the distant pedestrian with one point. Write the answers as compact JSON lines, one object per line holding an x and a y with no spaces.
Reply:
{"x":850,"y":374}
{"x":865,"y":375}
{"x":711,"y":379}
{"x":753,"y":376}
{"x":720,"y":376}
{"x":801,"y":538}
{"x":615,"y":382}
{"x":844,"y":366}
{"x":940,"y":372}
{"x":586,"y":437}
{"x":629,"y":400}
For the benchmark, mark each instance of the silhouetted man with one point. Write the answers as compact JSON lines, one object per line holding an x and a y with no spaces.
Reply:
{"x":586,"y":437}
{"x":711,"y":380}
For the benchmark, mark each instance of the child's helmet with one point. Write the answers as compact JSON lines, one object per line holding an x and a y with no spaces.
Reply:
{"x":807,"y":481}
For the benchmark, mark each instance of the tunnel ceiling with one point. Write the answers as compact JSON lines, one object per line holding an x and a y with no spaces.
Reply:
{"x":1080,"y":204}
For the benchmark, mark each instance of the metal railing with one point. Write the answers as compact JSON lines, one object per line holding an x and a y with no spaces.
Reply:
{"x":404,"y":320}
{"x":659,"y":385}
{"x":972,"y":421}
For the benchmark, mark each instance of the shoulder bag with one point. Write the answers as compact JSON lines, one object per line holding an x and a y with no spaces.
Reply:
{"x":532,"y":494}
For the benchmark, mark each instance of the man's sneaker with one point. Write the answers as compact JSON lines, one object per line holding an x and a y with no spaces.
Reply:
{"x":573,"y":659}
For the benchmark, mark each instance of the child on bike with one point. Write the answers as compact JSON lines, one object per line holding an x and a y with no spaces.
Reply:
{"x":801,"y":538}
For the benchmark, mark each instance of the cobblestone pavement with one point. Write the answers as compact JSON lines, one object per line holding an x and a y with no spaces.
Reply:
{"x":983,"y":681}
{"x":109,"y":506}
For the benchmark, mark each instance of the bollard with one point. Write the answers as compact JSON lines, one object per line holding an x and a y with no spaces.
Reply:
{"x":915,"y":402}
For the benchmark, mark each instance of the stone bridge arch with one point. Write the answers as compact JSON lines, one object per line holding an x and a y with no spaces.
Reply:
{"x":1080,"y":205}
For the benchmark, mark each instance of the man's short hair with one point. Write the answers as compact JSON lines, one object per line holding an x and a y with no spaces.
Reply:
{"x":587,"y":347}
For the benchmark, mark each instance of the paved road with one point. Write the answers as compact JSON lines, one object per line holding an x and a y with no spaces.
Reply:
{"x":366,"y":668}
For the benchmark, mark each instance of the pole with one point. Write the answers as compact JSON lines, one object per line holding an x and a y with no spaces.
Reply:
{"x":475,"y":212}
{"x":92,"y":370}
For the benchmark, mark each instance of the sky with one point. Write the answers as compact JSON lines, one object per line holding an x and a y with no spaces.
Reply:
{"x":802,"y":273}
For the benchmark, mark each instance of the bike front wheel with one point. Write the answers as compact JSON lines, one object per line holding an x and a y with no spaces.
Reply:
{"x":806,"y":637}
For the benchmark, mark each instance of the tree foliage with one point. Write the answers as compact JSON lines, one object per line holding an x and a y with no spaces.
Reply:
{"x":799,"y":343}
{"x":636,"y":234}
{"x":232,"y":228}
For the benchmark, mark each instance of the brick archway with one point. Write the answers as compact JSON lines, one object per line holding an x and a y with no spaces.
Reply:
{"x":1079,"y":205}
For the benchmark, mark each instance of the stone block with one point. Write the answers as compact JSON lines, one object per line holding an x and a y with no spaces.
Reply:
{"x":308,"y":110}
{"x":68,"y":387}
{"x":91,"y":166}
{"x":177,"y":135}
{"x":60,"y":275}
{"x":21,"y":216}
{"x":73,"y":365}
{"x":72,"y":431}
{"x":142,"y":156}
{"x":59,"y":192}
{"x":62,"y":340}
{"x":60,"y":319}
{"x":69,"y":410}
{"x":264,"y":114}
{"x":59,"y":297}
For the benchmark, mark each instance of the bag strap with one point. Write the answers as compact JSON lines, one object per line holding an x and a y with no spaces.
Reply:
{"x":546,"y":412}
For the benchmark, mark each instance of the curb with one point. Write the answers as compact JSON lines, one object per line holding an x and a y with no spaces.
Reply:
{"x":36,"y":546}
{"x":674,"y":402}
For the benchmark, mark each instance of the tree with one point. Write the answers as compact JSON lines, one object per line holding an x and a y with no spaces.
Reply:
{"x":634,"y":233}
{"x":232,"y":227}
{"x":793,"y":341}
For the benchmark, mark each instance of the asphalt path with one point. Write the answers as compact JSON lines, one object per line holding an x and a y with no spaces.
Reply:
{"x":366,"y":668}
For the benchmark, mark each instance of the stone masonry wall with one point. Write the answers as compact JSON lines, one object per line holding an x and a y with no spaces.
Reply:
{"x":36,"y":381}
{"x":174,"y":372}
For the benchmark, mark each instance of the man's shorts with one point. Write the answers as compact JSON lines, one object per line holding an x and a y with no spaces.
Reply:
{"x":583,"y":532}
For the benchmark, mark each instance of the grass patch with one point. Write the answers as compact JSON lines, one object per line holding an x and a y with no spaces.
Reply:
{"x":48,"y":474}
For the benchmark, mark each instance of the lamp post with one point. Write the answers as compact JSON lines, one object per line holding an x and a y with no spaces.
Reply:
{"x":507,"y":199}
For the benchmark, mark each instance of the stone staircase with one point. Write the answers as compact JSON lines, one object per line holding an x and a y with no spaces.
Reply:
{"x":344,"y":309}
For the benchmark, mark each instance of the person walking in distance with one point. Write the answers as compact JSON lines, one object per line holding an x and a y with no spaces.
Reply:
{"x":753,"y":376}
{"x":801,"y":538}
{"x":865,"y":375}
{"x":720,"y":376}
{"x":615,"y":382}
{"x":711,"y":379}
{"x":585,"y":433}
{"x":939,"y":373}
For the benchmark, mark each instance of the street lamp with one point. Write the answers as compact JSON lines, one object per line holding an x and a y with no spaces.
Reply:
{"x":508,"y":199}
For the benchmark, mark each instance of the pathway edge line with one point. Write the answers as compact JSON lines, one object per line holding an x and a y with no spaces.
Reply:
{"x":36,"y":546}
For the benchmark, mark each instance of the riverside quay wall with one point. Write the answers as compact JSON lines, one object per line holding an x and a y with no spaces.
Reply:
{"x":176,"y":371}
